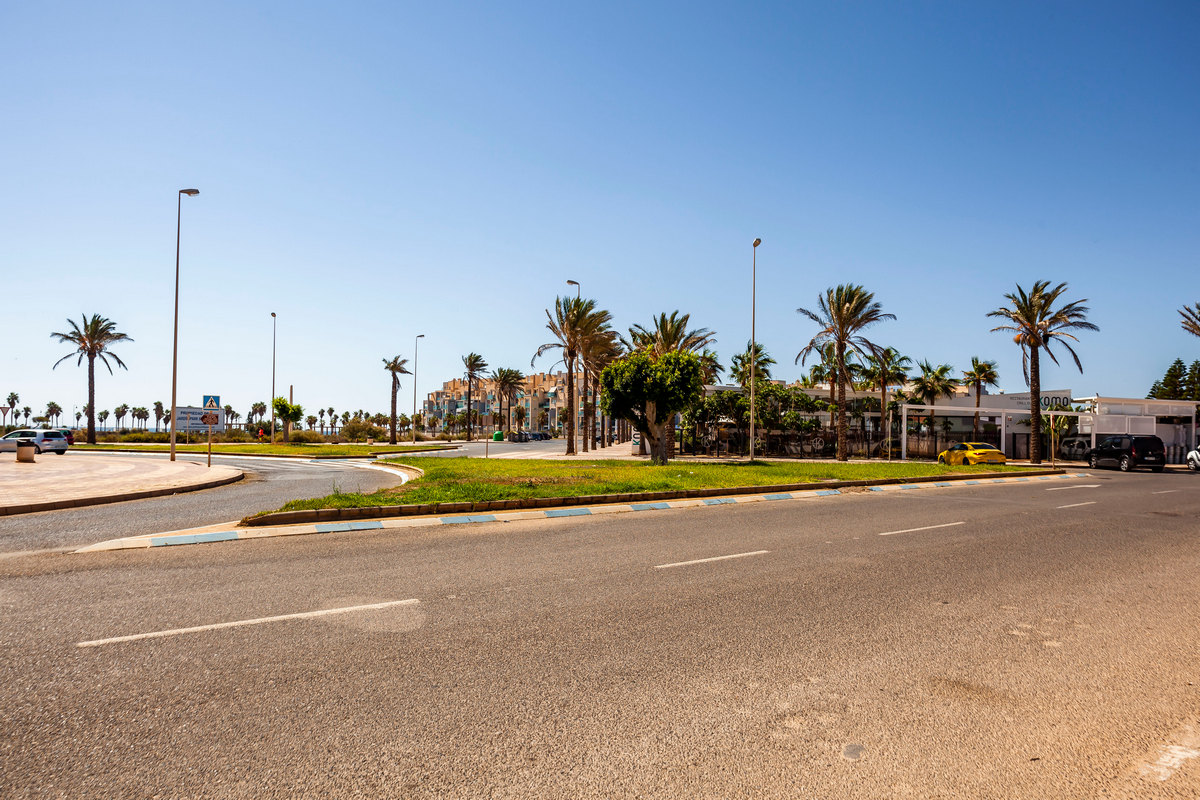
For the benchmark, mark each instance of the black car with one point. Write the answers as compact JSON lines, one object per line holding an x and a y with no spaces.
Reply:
{"x":1127,"y":452}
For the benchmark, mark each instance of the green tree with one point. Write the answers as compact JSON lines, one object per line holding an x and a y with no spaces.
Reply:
{"x":102,"y":416}
{"x":288,"y":413}
{"x":884,"y":368}
{"x":119,"y":413}
{"x":53,"y":410}
{"x":597,"y":351}
{"x":1193,"y":381}
{"x":1036,"y":325}
{"x":648,"y":391}
{"x":932,"y":384}
{"x":843,"y":313}
{"x":397,"y":366}
{"x":92,"y":341}
{"x":474,"y":365}
{"x":573,"y":321}
{"x":739,"y":367}
{"x":982,"y":373}
{"x":158,"y":414}
{"x":670,"y":335}
{"x":13,"y":399}
{"x":1191,"y":319}
{"x":1173,"y":385}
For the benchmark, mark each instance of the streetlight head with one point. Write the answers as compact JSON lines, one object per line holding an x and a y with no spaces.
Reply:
{"x":757,"y":242}
{"x":572,"y":283}
{"x":190,"y":192}
{"x":272,"y":313}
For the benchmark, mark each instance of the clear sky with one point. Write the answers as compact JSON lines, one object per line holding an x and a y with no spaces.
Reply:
{"x":375,"y":171}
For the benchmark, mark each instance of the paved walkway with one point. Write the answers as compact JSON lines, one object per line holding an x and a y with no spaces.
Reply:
{"x":68,"y":481}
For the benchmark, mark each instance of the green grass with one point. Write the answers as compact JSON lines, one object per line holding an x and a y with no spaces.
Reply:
{"x":456,"y":480}
{"x":306,"y":450}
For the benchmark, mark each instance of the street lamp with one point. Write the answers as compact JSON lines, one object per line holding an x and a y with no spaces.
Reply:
{"x":420,"y":336}
{"x":576,"y":285}
{"x":273,"y":320}
{"x":753,"y":354}
{"x":175,"y":344}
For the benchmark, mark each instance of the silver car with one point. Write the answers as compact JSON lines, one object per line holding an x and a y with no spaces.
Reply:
{"x":1193,"y":460}
{"x":43,"y":441}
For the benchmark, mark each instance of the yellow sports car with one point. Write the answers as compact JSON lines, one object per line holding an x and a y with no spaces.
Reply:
{"x":971,"y":453}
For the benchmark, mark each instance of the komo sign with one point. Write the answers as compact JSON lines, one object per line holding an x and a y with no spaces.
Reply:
{"x":1056,"y":397}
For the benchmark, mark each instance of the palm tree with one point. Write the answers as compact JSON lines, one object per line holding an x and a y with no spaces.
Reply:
{"x":1191,"y":319}
{"x":27,"y":411}
{"x":92,"y":340}
{"x":474,"y":365}
{"x":843,"y":313}
{"x":884,"y":368}
{"x":508,"y":382}
{"x":53,"y":410}
{"x":600,"y":348}
{"x":711,"y":366}
{"x":739,"y":366}
{"x":119,"y":413}
{"x":332,"y":419}
{"x":670,"y":335}
{"x":102,"y":416}
{"x":78,"y":416}
{"x":932,"y":383}
{"x":397,"y":366}
{"x":574,"y":319}
{"x":1036,"y":325}
{"x":13,"y":399}
{"x":981,"y":373}
{"x":158,"y":414}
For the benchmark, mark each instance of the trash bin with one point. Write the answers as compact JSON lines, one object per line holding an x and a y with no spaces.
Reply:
{"x":498,"y":436}
{"x":26,"y":450}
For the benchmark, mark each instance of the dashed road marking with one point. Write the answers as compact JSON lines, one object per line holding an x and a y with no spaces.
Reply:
{"x":926,"y":528}
{"x":714,"y":558}
{"x":1077,"y":505}
{"x":1165,"y":491}
{"x":1080,"y":486}
{"x":241,"y":622}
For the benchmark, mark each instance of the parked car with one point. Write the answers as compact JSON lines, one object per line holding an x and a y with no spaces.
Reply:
{"x":971,"y":453}
{"x":67,"y":432}
{"x":518,"y":436}
{"x":1193,"y":459}
{"x":1128,"y":452}
{"x":1074,"y":448}
{"x":52,"y":441}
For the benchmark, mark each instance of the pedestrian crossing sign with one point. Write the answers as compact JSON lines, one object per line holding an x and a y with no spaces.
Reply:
{"x":212,"y":402}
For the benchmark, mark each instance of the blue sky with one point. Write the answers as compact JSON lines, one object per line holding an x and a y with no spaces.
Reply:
{"x":375,"y":171}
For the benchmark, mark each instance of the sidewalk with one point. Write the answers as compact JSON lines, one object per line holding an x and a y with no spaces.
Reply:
{"x":54,"y":481}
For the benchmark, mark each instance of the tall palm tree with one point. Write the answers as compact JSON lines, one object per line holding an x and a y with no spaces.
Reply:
{"x":670,"y":335}
{"x":1036,"y":325}
{"x":599,"y":350}
{"x":574,"y":319}
{"x":981,"y":374}
{"x":13,"y":399}
{"x":843,"y":312}
{"x":158,"y":414}
{"x":332,"y":418}
{"x":711,"y":365}
{"x":474,"y":365}
{"x":92,"y":341}
{"x":1191,"y":319}
{"x":884,"y":368}
{"x":53,"y":410}
{"x":397,"y":366}
{"x":508,"y":382}
{"x":102,"y":416}
{"x":931,"y":384}
{"x":119,"y":413}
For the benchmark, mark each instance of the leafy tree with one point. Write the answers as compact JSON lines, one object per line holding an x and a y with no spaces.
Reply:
{"x":288,"y":413}
{"x":933,"y":383}
{"x":1173,"y":385}
{"x":397,"y":366}
{"x":474,"y":365}
{"x":1193,"y":381}
{"x":648,"y":391}
{"x":92,"y":341}
{"x":843,"y":312}
{"x":885,"y":368}
{"x":981,"y":373}
{"x":1036,"y":325}
{"x":311,"y":421}
{"x":1191,"y":319}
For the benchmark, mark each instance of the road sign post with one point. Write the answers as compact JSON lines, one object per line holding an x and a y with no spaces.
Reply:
{"x":212,"y":404}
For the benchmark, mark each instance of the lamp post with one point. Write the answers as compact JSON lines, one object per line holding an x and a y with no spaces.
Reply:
{"x":420,"y":336}
{"x":576,"y":285}
{"x":273,"y":321}
{"x":175,"y":342}
{"x":753,"y":348}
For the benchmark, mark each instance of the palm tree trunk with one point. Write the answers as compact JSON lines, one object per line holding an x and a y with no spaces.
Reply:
{"x":395,"y":388}
{"x":583,"y":398}
{"x":1035,"y":407}
{"x":885,"y":422}
{"x":975,"y":425}
{"x":91,"y":414}
{"x":841,"y":406}
{"x":468,"y":408}
{"x":570,"y":427}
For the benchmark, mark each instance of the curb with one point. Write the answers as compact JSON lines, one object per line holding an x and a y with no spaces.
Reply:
{"x":427,"y":509}
{"x":165,"y":540}
{"x":372,"y":454}
{"x":29,"y":508}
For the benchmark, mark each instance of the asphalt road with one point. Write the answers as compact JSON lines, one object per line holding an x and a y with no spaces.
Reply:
{"x":269,"y":483}
{"x":1034,"y":640}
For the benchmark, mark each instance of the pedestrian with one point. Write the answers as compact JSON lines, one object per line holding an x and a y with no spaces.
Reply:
{"x":260,"y":435}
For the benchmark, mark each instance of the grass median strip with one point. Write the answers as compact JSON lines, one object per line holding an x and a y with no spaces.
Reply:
{"x":299,"y":450}
{"x":475,"y":480}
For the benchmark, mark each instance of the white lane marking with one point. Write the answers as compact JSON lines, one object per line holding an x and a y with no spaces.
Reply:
{"x":926,"y":528}
{"x":1172,"y":756}
{"x":238,"y":623}
{"x":1165,"y":491}
{"x":714,"y":558}
{"x":1080,"y":486}
{"x":1077,"y":505}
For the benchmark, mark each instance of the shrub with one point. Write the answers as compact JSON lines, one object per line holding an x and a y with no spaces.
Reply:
{"x":306,"y":437}
{"x":143,"y":437}
{"x":235,"y":435}
{"x":359,"y":431}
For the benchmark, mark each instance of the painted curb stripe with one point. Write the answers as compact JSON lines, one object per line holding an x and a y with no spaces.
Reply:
{"x":827,"y":492}
{"x":569,"y":512}
{"x":718,"y":501}
{"x":777,"y":497}
{"x":338,"y":527}
{"x":911,"y":486}
{"x":194,"y":538}
{"x":649,"y":506}
{"x":470,"y":518}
